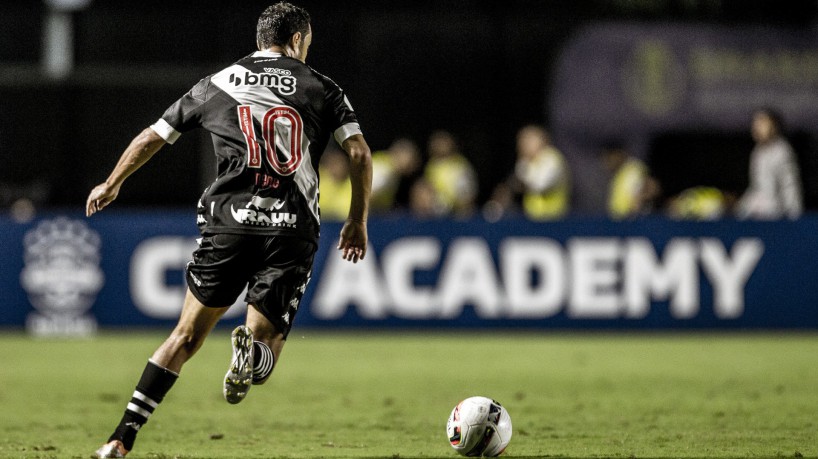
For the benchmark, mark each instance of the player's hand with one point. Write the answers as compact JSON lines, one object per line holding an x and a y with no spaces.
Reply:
{"x":352,"y":243}
{"x":102,"y":195}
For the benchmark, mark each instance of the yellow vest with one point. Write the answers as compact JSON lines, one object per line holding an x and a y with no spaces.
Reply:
{"x":384,"y":182}
{"x":699,"y":203}
{"x":334,"y":197}
{"x":626,"y":186}
{"x":447,"y":176}
{"x":553,"y":203}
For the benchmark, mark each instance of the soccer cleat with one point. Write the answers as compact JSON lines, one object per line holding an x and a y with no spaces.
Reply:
{"x":239,"y":376}
{"x":113,"y":448}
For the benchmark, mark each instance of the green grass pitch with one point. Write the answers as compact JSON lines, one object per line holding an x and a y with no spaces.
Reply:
{"x":388,"y":394}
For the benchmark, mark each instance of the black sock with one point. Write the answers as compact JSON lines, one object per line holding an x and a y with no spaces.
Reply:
{"x":263,"y":361}
{"x":153,"y":385}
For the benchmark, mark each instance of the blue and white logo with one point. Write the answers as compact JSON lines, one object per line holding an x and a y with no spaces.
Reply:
{"x":62,"y":277}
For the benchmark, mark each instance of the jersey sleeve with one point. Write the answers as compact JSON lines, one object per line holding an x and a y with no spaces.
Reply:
{"x":185,"y":114}
{"x":340,"y":114}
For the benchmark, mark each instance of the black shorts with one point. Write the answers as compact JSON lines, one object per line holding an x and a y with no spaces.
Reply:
{"x":275,"y":270}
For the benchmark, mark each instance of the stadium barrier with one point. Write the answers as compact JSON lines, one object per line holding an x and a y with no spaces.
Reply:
{"x":67,"y":274}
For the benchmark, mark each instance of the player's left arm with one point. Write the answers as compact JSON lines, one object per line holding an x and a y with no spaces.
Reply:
{"x":354,"y":234}
{"x":141,"y":149}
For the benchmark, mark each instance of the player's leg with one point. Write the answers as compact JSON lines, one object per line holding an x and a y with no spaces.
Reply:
{"x":268,"y":344}
{"x":161,"y":372}
{"x":195,"y":323}
{"x":256,"y":347}
{"x":214,"y":280}
{"x":273,"y":294}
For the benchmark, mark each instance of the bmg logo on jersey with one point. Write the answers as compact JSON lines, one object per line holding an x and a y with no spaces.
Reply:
{"x":62,"y":277}
{"x":280,"y":79}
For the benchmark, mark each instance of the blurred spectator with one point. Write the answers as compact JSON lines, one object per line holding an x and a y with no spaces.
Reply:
{"x":774,"y":190}
{"x":630,"y":189}
{"x":335,"y":190}
{"x":699,"y":203}
{"x":393,"y":172}
{"x":501,"y":204}
{"x":543,"y":174}
{"x":22,"y":200}
{"x":450,"y":175}
{"x":423,"y":200}
{"x":650,"y":195}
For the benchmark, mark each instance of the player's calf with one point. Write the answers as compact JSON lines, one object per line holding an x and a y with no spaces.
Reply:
{"x":263,"y":362}
{"x":153,"y":385}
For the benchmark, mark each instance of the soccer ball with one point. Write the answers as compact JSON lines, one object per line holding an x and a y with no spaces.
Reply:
{"x":479,"y":426}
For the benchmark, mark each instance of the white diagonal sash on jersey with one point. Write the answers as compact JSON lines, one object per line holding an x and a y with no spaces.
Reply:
{"x":260,"y":99}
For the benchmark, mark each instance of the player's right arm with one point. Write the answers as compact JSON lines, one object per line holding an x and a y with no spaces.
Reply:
{"x":183,"y":115}
{"x":140,"y":150}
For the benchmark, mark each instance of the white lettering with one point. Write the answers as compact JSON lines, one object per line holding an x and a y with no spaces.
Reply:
{"x":284,"y":84}
{"x":523,"y":257}
{"x":400,"y":261}
{"x":150,"y":262}
{"x":729,"y":278}
{"x":60,"y":325}
{"x":589,"y":278}
{"x":646,"y":279}
{"x":344,"y":283}
{"x":594,"y":278}
{"x":263,"y":217}
{"x":469,"y":277}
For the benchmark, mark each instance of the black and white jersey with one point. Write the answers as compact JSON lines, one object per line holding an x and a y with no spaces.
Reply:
{"x":270,"y":117}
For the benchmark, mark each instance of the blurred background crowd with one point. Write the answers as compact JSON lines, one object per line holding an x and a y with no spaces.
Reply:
{"x":440,"y":181}
{"x":460,"y":102}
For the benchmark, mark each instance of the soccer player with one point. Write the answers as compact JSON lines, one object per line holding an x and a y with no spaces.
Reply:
{"x":270,"y":116}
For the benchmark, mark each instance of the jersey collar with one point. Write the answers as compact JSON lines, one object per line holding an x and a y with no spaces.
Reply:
{"x":266,"y":54}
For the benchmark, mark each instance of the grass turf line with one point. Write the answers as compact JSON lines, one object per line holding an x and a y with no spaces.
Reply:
{"x":367,"y":394}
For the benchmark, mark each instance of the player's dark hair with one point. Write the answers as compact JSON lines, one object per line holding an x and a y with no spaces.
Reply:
{"x":279,"y":22}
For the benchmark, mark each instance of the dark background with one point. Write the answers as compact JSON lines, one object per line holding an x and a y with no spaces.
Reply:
{"x":478,"y":69}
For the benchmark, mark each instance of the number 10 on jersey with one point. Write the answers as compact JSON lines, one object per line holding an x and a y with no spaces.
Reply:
{"x":281,"y":129}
